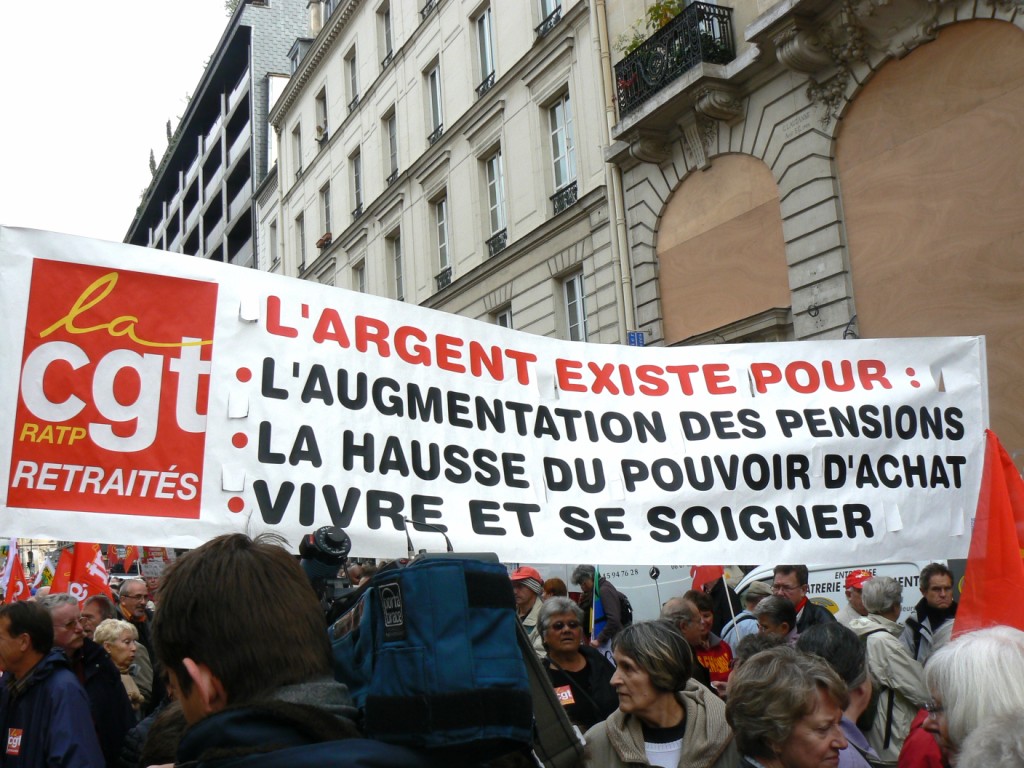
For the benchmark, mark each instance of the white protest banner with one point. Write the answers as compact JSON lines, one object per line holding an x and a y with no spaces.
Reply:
{"x":163,"y":399}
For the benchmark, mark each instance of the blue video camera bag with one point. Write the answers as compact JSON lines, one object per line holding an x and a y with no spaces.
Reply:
{"x":430,"y":655}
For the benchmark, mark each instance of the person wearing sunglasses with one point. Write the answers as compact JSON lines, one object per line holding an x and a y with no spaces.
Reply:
{"x":581,"y":675}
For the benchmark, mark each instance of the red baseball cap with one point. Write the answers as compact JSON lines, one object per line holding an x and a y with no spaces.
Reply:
{"x":526,"y":572}
{"x":856,"y":579}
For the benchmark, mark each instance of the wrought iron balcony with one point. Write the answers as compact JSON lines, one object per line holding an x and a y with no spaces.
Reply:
{"x":549,"y":23}
{"x":564,"y":197}
{"x":353,"y":104}
{"x":444,"y":278}
{"x":357,"y":211}
{"x":433,"y":137}
{"x":486,"y":85}
{"x":497,"y":243}
{"x":387,"y":60}
{"x":393,"y":177}
{"x":429,"y":6}
{"x":701,"y":32}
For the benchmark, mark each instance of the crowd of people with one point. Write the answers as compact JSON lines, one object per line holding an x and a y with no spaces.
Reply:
{"x":234,"y":668}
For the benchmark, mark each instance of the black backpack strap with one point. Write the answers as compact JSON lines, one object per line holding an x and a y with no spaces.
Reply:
{"x":555,"y":743}
{"x":888,"y":719}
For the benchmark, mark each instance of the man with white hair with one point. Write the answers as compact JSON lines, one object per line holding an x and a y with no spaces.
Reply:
{"x":900,"y":678}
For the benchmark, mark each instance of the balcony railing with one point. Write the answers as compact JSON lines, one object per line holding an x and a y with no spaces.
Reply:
{"x":387,"y":60}
{"x":444,"y":278}
{"x":549,"y":23}
{"x":564,"y":197}
{"x":429,"y":6}
{"x":701,"y":32}
{"x":357,"y":211}
{"x":353,"y":104}
{"x":496,"y":244}
{"x":486,"y":85}
{"x":433,"y":137}
{"x":393,"y":177}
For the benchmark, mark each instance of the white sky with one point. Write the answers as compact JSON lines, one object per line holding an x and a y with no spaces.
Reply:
{"x":86,"y":89}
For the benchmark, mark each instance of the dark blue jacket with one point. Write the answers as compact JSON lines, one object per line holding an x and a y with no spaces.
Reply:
{"x":277,"y":734}
{"x":112,"y":712}
{"x":52,"y":718}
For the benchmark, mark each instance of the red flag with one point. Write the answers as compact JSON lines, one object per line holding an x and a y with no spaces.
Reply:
{"x":62,"y":576}
{"x":705,"y":574}
{"x":112,"y":558}
{"x":131,"y":554}
{"x":88,"y":573}
{"x":995,"y":565}
{"x":17,"y":584}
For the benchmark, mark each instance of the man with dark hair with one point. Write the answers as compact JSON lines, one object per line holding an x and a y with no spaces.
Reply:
{"x":44,"y":712}
{"x":847,"y":655}
{"x":930,"y":626}
{"x":253,"y":682}
{"x":111,"y":710}
{"x":95,"y":609}
{"x":790,"y":582}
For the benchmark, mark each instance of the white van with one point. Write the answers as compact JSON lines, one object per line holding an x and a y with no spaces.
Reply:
{"x":826,"y":583}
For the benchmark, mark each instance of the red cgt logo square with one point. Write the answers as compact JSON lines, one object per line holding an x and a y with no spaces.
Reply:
{"x":114,"y":386}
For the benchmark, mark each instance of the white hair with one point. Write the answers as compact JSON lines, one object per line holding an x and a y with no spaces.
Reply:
{"x":978,"y":677}
{"x":881,"y":594}
{"x":996,"y":744}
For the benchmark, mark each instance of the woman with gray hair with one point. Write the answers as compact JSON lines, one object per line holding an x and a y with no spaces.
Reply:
{"x":785,"y":708}
{"x":897,"y":676}
{"x":974,"y":679}
{"x":581,"y":675}
{"x":664,"y":718}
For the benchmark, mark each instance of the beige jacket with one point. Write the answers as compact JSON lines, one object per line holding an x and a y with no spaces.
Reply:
{"x":708,"y":743}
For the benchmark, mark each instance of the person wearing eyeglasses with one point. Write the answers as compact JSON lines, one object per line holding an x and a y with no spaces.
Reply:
{"x":790,"y":582}
{"x":581,"y":675}
{"x":134,"y":597}
{"x":112,"y":713}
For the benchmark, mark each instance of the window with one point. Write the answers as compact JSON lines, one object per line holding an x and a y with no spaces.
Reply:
{"x":356,"y":170}
{"x":325,"y":207}
{"x":384,"y":35}
{"x":391,"y":127}
{"x":329,"y":7}
{"x":575,"y":311}
{"x":272,"y":243}
{"x":550,"y":14}
{"x":563,"y":149}
{"x":496,"y":192}
{"x":436,"y":114}
{"x":359,"y":277}
{"x":485,"y":49}
{"x":297,"y":150}
{"x":352,"y":79}
{"x":300,"y":240}
{"x":321,"y":116}
{"x":441,"y":222}
{"x":397,"y":274}
{"x":503,"y":317}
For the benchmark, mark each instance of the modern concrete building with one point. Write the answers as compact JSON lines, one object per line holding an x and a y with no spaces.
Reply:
{"x":854,"y":171}
{"x":450,"y":153}
{"x":200,"y":199}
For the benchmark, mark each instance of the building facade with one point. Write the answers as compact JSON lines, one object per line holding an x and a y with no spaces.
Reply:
{"x":200,"y":199}
{"x":853,"y":170}
{"x":450,"y":153}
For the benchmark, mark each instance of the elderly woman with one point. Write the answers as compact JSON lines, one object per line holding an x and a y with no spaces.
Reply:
{"x":664,"y":718}
{"x":785,"y":708}
{"x":973,"y":680}
{"x":119,"y":639}
{"x":580,"y":674}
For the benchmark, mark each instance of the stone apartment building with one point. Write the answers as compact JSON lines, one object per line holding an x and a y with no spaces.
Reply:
{"x":450,"y":153}
{"x":200,"y":199}
{"x":851,"y":169}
